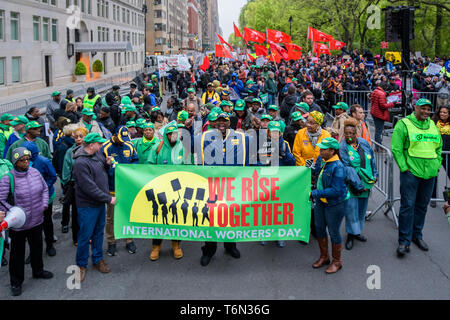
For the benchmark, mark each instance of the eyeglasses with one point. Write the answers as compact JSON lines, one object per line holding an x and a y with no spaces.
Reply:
{"x":24,"y":160}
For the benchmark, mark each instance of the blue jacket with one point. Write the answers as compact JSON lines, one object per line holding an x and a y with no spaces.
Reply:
{"x":12,"y":138}
{"x":239,"y":84}
{"x":44,"y":166}
{"x":125,"y":153}
{"x":333,"y":182}
{"x":343,"y":155}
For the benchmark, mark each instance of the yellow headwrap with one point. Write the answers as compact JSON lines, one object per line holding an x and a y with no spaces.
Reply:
{"x":317,"y":116}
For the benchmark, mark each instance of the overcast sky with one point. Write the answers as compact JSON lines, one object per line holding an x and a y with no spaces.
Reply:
{"x":229,"y":11}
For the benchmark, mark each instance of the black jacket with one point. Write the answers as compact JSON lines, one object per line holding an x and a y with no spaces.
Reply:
{"x":290,"y":133}
{"x":287,"y":105}
{"x":108,"y":123}
{"x":91,"y":178}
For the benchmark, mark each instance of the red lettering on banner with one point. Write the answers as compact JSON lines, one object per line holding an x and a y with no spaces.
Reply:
{"x":222,"y":215}
{"x":234,"y":220}
{"x":216,"y":188}
{"x":255,"y":207}
{"x":247,"y":189}
{"x":288,"y":215}
{"x":229,"y":188}
{"x":266,"y":216}
{"x":273,"y":189}
{"x":276,"y":213}
{"x":211,"y":207}
{"x":244,"y":214}
{"x":264,"y":195}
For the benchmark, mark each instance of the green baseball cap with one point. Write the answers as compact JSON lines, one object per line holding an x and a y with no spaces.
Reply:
{"x":226,"y":103}
{"x":56,"y":93}
{"x":156,"y":109}
{"x":256,"y":100}
{"x":294,"y":79}
{"x":216,"y":110}
{"x":87,"y":112}
{"x":240,"y":105}
{"x":154,"y":76}
{"x":32,"y":125}
{"x":183,"y":115}
{"x":274,"y":126}
{"x":303,"y":105}
{"x":249,"y":82}
{"x":212,"y":116}
{"x":423,"y":102}
{"x":295,"y":116}
{"x":130,"y":124}
{"x":128,"y":107}
{"x":140,"y":122}
{"x":171,"y":128}
{"x":341,"y":105}
{"x":191,"y":90}
{"x":147,"y":125}
{"x":6,"y":116}
{"x":94,"y":137}
{"x":223,"y":115}
{"x":19,"y":120}
{"x":125,"y":100}
{"x":328,"y":143}
{"x":266,"y":117}
{"x":150,"y":85}
{"x":282,"y":125}
{"x":273,"y":107}
{"x":210,"y":106}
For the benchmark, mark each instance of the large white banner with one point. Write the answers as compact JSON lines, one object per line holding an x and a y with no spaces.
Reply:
{"x":166,"y":63}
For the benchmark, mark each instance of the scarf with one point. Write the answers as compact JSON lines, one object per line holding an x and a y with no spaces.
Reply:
{"x":313,"y":137}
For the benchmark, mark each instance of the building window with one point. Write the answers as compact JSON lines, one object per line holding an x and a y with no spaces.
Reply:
{"x":83,"y":6}
{"x":99,"y":8}
{"x":15,"y":69}
{"x":2,"y":24}
{"x":45,"y":26}
{"x":107,"y":10}
{"x":107,"y":34}
{"x":53,"y":2}
{"x":44,"y":1}
{"x":99,"y":31}
{"x":115,"y":56}
{"x":124,"y":18}
{"x":2,"y":71}
{"x":54,"y":30}
{"x":89,"y":6}
{"x":67,"y":3}
{"x":36,"y":28}
{"x":15,"y":26}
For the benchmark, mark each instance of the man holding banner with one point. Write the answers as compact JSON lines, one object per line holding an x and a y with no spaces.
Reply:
{"x":223,"y":147}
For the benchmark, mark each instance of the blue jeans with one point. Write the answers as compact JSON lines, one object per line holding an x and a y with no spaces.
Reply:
{"x":379,"y":127}
{"x":415,"y":196}
{"x":331,"y":217}
{"x":92,"y":226}
{"x":355,"y":214}
{"x":271,"y":99}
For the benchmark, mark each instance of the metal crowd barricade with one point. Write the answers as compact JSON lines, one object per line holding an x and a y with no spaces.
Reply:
{"x":432,"y":96}
{"x":385,"y":184}
{"x":357,"y":97}
{"x":439,"y":197}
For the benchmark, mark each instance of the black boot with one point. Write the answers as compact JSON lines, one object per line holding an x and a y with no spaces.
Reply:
{"x":349,"y":242}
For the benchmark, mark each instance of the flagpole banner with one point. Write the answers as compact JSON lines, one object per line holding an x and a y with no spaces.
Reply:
{"x":218,"y":204}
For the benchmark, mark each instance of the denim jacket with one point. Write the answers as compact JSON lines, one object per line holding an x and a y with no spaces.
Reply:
{"x":333,"y":181}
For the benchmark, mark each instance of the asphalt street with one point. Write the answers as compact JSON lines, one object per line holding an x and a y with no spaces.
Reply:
{"x":262,"y":272}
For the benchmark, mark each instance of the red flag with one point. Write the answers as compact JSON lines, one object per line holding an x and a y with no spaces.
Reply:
{"x":280,"y":50}
{"x":237,"y":33}
{"x":253,"y":35}
{"x":222,"y":52}
{"x":275,"y":57}
{"x":320,"y":48}
{"x":294,"y":51}
{"x":278,"y":36}
{"x":316,"y":35}
{"x":260,"y":50}
{"x":336,"y":45}
{"x":250,"y":57}
{"x":223,"y":42}
{"x":205,"y":64}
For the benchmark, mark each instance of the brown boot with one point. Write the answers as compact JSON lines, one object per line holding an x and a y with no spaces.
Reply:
{"x":324,"y":255}
{"x":336,"y":250}
{"x":154,"y":255}
{"x":177,"y":252}
{"x":102,"y":267}
{"x":82,"y":274}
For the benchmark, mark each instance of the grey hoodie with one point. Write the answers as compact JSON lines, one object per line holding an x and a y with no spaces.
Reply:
{"x":91,"y":178}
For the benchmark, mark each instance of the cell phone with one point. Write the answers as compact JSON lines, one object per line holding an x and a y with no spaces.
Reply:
{"x":446,"y":194}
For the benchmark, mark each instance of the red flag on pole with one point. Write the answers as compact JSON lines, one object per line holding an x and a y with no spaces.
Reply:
{"x":222,"y":52}
{"x":275,"y":57}
{"x":253,"y":35}
{"x":205,"y":64}
{"x":280,"y":50}
{"x":237,"y":33}
{"x":336,"y":45}
{"x":316,"y":35}
{"x":250,"y":57}
{"x":260,"y":50}
{"x":294,"y":51}
{"x":320,"y":48}
{"x":223,"y":42}
{"x":277,"y":36}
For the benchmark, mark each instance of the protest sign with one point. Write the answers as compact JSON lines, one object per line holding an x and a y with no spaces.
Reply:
{"x":433,"y":68}
{"x":204,"y":203}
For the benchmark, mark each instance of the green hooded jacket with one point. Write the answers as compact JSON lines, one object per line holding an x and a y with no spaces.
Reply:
{"x":421,"y":168}
{"x":144,"y":149}
{"x":5,"y":132}
{"x":167,"y":154}
{"x":66,"y":175}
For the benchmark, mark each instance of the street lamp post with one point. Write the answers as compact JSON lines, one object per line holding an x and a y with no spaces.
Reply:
{"x":290,"y":26}
{"x":144,"y":11}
